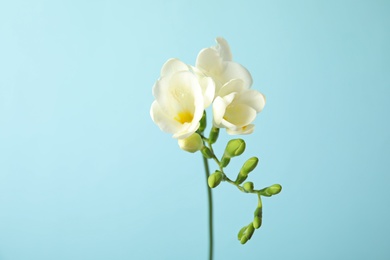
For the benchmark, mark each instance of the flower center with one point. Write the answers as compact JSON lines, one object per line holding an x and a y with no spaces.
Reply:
{"x":184,"y":117}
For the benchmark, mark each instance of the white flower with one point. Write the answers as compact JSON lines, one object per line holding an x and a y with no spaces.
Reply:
{"x":216,"y":62}
{"x":236,"y":107}
{"x":206,"y":83}
{"x":179,"y":103}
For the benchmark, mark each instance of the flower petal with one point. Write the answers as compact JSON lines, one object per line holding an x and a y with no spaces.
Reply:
{"x":252,"y":98}
{"x":233,"y":70}
{"x":219,"y":108}
{"x":245,"y":130}
{"x":209,"y":62}
{"x":207,"y":84}
{"x":164,"y":121}
{"x":186,"y":91}
{"x":208,"y":90}
{"x":234,"y":85}
{"x":223,"y":49}
{"x":187,"y":130}
{"x":239,"y":114}
{"x":172,"y":66}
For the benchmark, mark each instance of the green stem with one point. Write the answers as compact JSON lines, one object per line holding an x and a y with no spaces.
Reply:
{"x":210,"y":202}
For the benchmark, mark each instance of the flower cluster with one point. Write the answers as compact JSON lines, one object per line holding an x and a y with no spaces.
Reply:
{"x":183,"y":92}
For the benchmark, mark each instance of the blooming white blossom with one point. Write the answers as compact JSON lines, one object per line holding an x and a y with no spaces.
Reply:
{"x":216,"y":62}
{"x":206,"y":83}
{"x":236,"y":107}
{"x":179,"y":103}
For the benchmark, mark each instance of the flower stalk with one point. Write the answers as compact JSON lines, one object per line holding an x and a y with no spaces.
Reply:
{"x":210,"y":208}
{"x":182,"y":94}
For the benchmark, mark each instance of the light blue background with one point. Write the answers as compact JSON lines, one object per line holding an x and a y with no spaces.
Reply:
{"x":85,"y":174}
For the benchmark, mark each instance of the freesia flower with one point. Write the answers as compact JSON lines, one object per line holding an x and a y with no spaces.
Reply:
{"x":216,"y":62}
{"x":236,"y":107}
{"x":206,"y":83}
{"x":179,"y":103}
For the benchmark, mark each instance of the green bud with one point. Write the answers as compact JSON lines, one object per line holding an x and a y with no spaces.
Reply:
{"x":249,"y":165}
{"x":206,"y":152}
{"x":258,"y":212}
{"x":214,"y":132}
{"x":234,"y":148}
{"x":246,"y":233}
{"x":224,"y":161}
{"x":241,"y":177}
{"x":192,"y":143}
{"x":215,"y":179}
{"x":257,"y":222}
{"x":249,"y":231}
{"x":248,"y":186}
{"x":202,"y":123}
{"x":244,"y":239}
{"x":273,"y":190}
{"x":241,"y":232}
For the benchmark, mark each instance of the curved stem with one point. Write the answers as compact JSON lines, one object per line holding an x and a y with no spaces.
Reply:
{"x":210,"y":202}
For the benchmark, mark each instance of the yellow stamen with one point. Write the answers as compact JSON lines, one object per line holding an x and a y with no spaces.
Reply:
{"x":184,"y":117}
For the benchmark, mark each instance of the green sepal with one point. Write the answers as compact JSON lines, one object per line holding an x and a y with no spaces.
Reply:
{"x":214,"y":132}
{"x":206,"y":152}
{"x":215,"y":179}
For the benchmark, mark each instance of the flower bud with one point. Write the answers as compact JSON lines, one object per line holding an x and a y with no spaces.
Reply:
{"x":249,"y":231}
{"x":257,"y":220}
{"x":202,"y":123}
{"x":248,"y":186}
{"x":234,"y":148}
{"x":215,"y":179}
{"x":224,"y":161}
{"x":246,"y":233}
{"x":241,"y":178}
{"x":244,"y":239}
{"x":241,"y":232}
{"x":206,"y":152}
{"x":192,"y":143}
{"x":273,"y":190}
{"x":258,"y":212}
{"x":213,"y":135}
{"x":249,"y":165}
